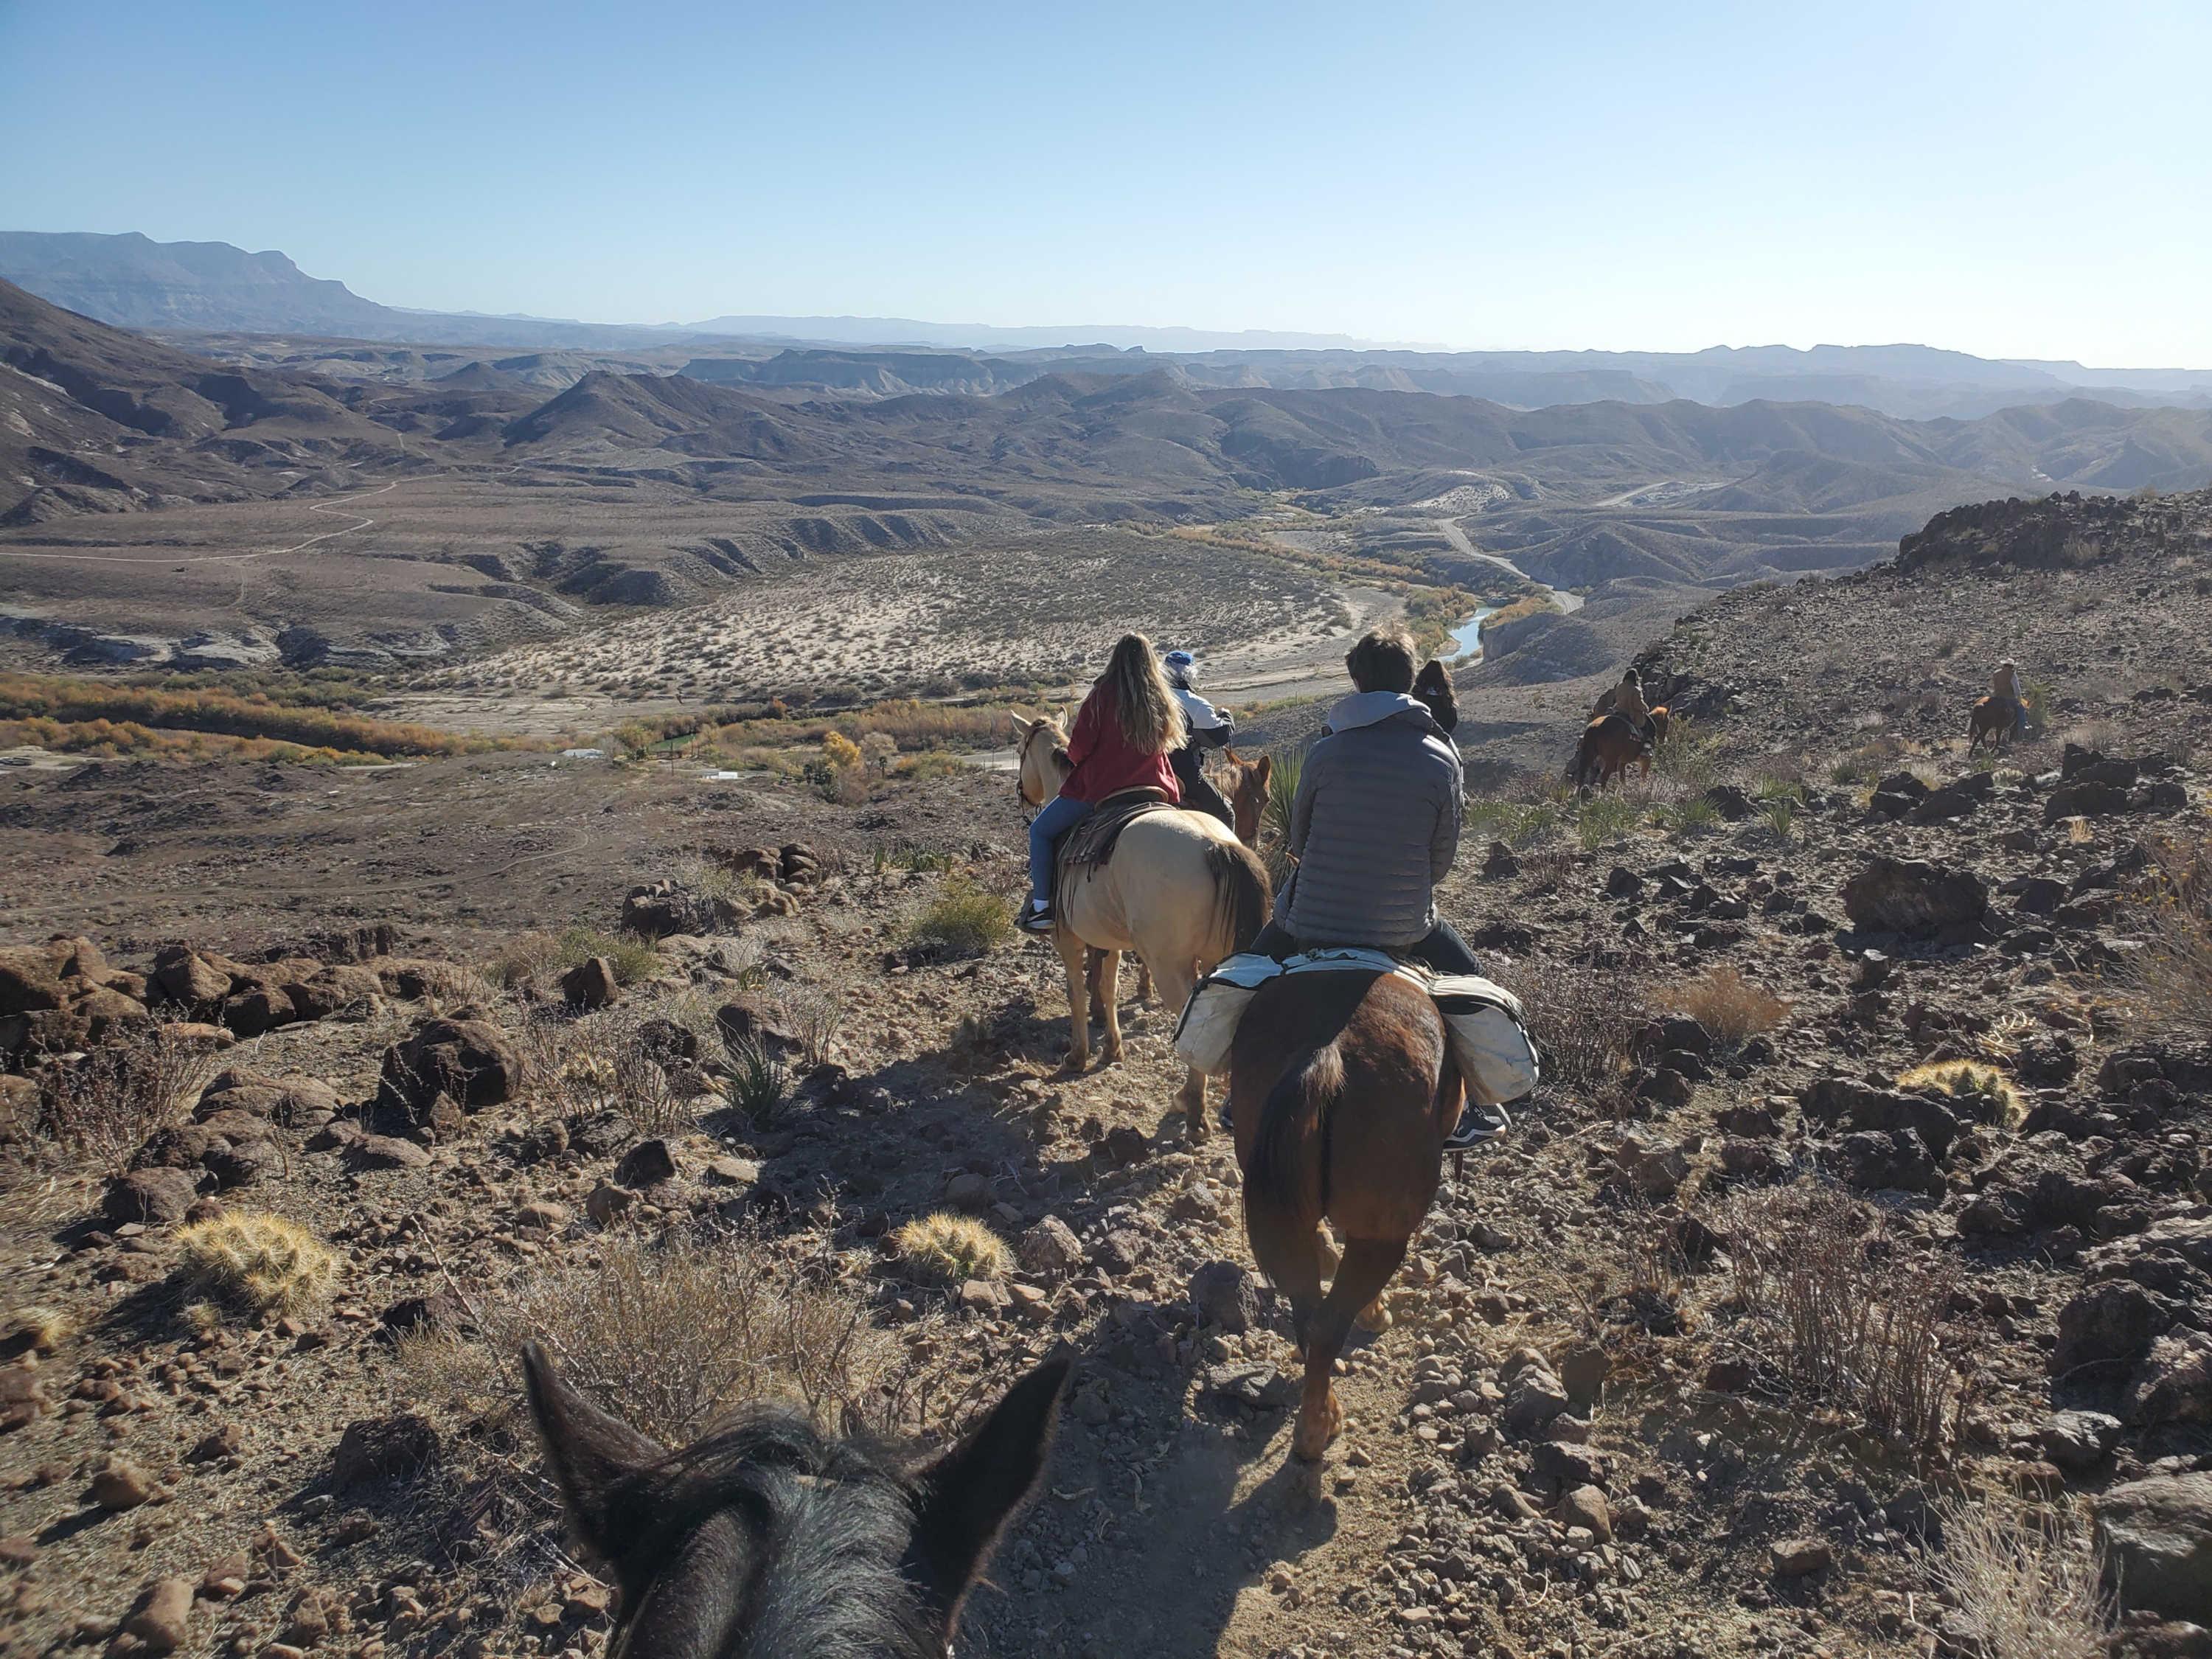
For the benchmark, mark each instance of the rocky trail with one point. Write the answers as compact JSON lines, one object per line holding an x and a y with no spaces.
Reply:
{"x":1868,"y":1193}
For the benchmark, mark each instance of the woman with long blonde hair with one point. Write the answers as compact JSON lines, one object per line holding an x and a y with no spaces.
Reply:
{"x":1127,"y":729}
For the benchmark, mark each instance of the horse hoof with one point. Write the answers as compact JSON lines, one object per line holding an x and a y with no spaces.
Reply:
{"x":1111,"y":1054}
{"x":1075,"y":1059}
{"x":1311,"y":1441}
{"x":1375,"y":1318}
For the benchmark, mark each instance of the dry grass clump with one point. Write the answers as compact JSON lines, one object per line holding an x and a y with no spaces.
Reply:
{"x":1582,"y":1017}
{"x":39,"y":1328}
{"x":1730,"y":1007}
{"x":2023,"y":1581}
{"x":609,"y":1061}
{"x":261,"y":1262}
{"x":1846,"y":1317}
{"x":815,"y":1015}
{"x":1986,"y":1094}
{"x":101,"y":1108}
{"x":670,"y":1335}
{"x":540,"y":959}
{"x":952,"y":1249}
{"x":963,"y":920}
{"x":2167,"y":987}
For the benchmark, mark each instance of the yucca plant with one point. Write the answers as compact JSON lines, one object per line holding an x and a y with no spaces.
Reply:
{"x":1275,"y":820}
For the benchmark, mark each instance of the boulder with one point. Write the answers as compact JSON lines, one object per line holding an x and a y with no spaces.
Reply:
{"x":646,"y":1164}
{"x":30,"y":980}
{"x":1649,"y":1166}
{"x":1050,"y":1249}
{"x":1874,"y":1161}
{"x":257,"y":1010}
{"x":2110,"y":1323}
{"x":1796,"y":1557}
{"x":186,"y":976}
{"x":336,"y":990}
{"x":162,"y":1620}
{"x":2156,"y":1536}
{"x":1533,"y":1395}
{"x":469,"y":1059}
{"x":1224,"y":1295}
{"x":153,"y":1198}
{"x":1913,"y":897}
{"x":2173,"y":1384}
{"x":2074,"y":800}
{"x":590,"y":984}
{"x":2077,"y":1441}
{"x":1586,"y":1506}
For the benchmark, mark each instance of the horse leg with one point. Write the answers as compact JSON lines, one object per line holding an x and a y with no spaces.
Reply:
{"x":1109,"y":975}
{"x":1144,"y":981}
{"x":1365,"y":1269}
{"x":1176,"y":981}
{"x":1078,"y":996}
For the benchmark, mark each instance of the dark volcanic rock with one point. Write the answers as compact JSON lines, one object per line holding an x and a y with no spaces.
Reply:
{"x":1913,"y":897}
{"x":2156,"y":1535}
{"x":469,"y":1059}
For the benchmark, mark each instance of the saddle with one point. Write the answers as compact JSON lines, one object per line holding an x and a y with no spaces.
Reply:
{"x":1091,"y":843}
{"x":1483,"y":1021}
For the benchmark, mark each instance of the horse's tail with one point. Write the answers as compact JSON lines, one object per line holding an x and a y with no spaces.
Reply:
{"x":1240,"y":900}
{"x":1276,"y":1183}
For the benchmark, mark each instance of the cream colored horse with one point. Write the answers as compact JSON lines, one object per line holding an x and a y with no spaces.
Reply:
{"x":1181,"y":890}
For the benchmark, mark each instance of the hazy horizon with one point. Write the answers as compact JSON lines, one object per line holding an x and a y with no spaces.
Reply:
{"x":2017,"y":182}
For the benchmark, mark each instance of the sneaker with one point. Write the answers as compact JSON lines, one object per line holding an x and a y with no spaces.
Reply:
{"x":1476,"y":1125}
{"x":1036,"y":917}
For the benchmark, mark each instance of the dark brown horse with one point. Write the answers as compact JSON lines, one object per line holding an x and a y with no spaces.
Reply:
{"x":1993,"y":719}
{"x":1341,"y":1090}
{"x":767,"y":1540}
{"x":1247,"y":793}
{"x":1611,"y":744}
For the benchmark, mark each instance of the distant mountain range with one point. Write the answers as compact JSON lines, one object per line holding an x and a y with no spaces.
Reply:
{"x":212,"y":287}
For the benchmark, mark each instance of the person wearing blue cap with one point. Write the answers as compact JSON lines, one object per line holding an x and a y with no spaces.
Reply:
{"x":1206,"y":727}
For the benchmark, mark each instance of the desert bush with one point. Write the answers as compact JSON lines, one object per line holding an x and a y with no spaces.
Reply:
{"x":40,"y":1329}
{"x":1582,"y":1018}
{"x":101,"y":1108}
{"x":1689,"y":816}
{"x":1689,"y":762}
{"x":2166,"y":989}
{"x":952,"y":1249}
{"x":668,"y":1335}
{"x":2022,"y":1581}
{"x":840,"y":772}
{"x":815,"y":1014}
{"x":129,"y":715}
{"x":1519,"y":823}
{"x":1730,"y":1007}
{"x":260,"y":1262}
{"x":964,"y":919}
{"x":1844,"y":1315}
{"x":1275,"y":816}
{"x":757,"y":1081}
{"x":540,"y":959}
{"x":607,"y":1062}
{"x":1780,"y":812}
{"x":1985,"y":1094}
{"x":1604,"y":819}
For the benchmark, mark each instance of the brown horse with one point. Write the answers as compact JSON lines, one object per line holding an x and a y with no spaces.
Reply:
{"x":1247,"y":793}
{"x":1341,"y":1090}
{"x":1994,"y":719}
{"x":1610,"y":745}
{"x":767,"y":1540}
{"x":1181,"y":890}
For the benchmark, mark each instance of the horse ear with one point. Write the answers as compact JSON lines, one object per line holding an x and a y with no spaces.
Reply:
{"x":590,"y":1451}
{"x":965,"y":1499}
{"x":1021,"y":727}
{"x":1265,"y":770}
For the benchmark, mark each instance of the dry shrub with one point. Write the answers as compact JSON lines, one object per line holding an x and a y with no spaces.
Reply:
{"x":952,"y":1249}
{"x":40,"y":1329}
{"x":964,"y":919}
{"x":815,"y":1015}
{"x":260,"y":1262}
{"x":1845,"y":1316}
{"x":2023,"y":1581}
{"x":608,"y":1062}
{"x":2168,"y":985}
{"x":1730,"y":1007}
{"x":540,"y":959}
{"x":101,"y":1108}
{"x":1985,"y":1093}
{"x":670,"y":1335}
{"x":1582,"y":1017}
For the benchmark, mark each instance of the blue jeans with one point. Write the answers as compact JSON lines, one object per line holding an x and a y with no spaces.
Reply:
{"x":1061,"y":814}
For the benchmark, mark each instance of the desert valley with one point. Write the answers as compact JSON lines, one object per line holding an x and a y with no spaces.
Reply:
{"x":508,"y":831}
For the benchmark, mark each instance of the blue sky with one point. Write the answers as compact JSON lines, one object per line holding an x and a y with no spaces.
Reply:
{"x":2019,"y":180}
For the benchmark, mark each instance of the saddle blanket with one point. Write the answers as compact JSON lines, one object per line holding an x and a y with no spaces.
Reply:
{"x":1483,"y":1020}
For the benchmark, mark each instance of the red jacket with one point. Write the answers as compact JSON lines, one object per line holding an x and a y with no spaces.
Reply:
{"x":1106,"y":762}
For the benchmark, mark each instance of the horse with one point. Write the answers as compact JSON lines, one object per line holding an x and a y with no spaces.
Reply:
{"x":1247,"y":793}
{"x":767,"y":1540}
{"x":1181,"y":890}
{"x":1992,"y":717}
{"x":1611,"y":743}
{"x":1341,"y":1090}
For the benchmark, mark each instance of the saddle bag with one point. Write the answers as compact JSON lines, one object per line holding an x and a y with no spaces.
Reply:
{"x":1208,"y":1025}
{"x":1496,"y":1056}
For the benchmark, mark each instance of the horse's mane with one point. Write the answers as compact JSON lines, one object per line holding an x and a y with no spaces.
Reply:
{"x":829,"y":1523}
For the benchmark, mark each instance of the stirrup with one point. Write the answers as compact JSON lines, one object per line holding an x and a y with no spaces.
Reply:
{"x":1036,"y":917}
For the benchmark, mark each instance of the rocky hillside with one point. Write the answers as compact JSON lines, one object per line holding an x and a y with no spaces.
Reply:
{"x":1844,"y":1290}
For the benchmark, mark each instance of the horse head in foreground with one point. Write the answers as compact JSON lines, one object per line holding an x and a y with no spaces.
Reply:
{"x":768,"y":1538}
{"x":1249,"y":780}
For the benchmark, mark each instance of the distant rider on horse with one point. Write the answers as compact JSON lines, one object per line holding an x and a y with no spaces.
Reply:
{"x":2005,"y":687}
{"x":1208,"y":728}
{"x":1124,"y":734}
{"x":1374,"y":828}
{"x":1626,"y":700}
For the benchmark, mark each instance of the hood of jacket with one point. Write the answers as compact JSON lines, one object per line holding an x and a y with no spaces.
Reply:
{"x":1373,"y":708}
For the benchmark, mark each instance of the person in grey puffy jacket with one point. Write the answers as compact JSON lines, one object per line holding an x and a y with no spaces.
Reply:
{"x":1374,"y":828}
